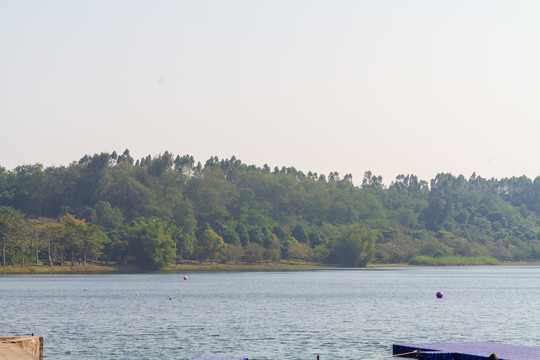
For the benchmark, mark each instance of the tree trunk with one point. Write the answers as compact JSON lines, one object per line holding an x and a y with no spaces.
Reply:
{"x":62,"y":258}
{"x":175,"y":253}
{"x":4,"y":252}
{"x":49,"y":253}
{"x":72,"y":257}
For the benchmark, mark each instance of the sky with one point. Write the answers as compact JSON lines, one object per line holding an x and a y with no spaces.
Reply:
{"x":388,"y":86}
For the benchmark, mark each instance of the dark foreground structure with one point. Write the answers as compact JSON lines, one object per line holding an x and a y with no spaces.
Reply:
{"x":467,"y":351}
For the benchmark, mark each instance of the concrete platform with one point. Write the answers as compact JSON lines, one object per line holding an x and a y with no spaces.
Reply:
{"x":14,"y":352}
{"x":468,"y":351}
{"x":21,"y":348}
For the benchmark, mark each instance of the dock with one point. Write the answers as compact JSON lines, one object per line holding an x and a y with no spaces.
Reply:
{"x":466,"y":351}
{"x":21,"y":348}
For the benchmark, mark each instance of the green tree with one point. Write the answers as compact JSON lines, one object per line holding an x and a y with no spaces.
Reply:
{"x":211,"y":246}
{"x":131,"y":197}
{"x":242,"y":234}
{"x":253,"y":253}
{"x":184,"y":164}
{"x":372,"y":181}
{"x":355,"y":247}
{"x":46,"y":231}
{"x":279,"y":232}
{"x":185,"y":246}
{"x":73,"y":235}
{"x":233,"y":253}
{"x":107,"y":217}
{"x":93,"y":242}
{"x":298,"y":251}
{"x":150,"y":244}
{"x":299,"y":233}
{"x":125,"y":158}
{"x":255,"y":235}
{"x":13,"y":233}
{"x":38,"y":241}
{"x":231,"y":237}
{"x":269,"y":239}
{"x":22,"y":239}
{"x":93,"y":181}
{"x":26,"y":180}
{"x":160,"y":164}
{"x":111,"y":222}
{"x":212,"y":196}
{"x":315,"y":239}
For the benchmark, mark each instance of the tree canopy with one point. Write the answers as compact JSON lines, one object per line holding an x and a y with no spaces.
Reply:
{"x":165,"y":208}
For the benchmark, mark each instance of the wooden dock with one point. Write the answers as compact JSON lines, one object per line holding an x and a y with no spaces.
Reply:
{"x":21,"y":348}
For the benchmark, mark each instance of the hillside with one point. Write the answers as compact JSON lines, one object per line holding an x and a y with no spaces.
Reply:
{"x":166,"y":208}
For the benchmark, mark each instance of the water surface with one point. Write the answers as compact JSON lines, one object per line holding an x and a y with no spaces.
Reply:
{"x":337,"y":314}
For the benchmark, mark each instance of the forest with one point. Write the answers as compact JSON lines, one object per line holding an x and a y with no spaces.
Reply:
{"x":165,"y":209}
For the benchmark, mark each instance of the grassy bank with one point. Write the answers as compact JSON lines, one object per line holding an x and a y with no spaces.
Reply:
{"x":44,"y":269}
{"x":280,"y":265}
{"x":453,"y":260}
{"x":186,"y":266}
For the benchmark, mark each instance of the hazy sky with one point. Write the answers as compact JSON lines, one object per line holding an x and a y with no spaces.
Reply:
{"x":413,"y":87}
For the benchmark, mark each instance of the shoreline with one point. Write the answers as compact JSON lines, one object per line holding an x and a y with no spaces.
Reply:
{"x":195,"y":267}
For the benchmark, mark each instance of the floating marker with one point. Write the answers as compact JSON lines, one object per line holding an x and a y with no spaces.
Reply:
{"x":185,"y":277}
{"x":439,"y":295}
{"x":170,"y":298}
{"x":136,"y":294}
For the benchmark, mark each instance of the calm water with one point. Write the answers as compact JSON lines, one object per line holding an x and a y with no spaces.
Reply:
{"x":337,"y":314}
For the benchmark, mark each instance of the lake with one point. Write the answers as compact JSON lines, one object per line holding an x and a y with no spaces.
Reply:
{"x":337,"y":314}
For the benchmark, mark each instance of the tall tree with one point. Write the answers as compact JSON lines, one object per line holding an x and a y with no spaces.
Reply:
{"x":73,"y":235}
{"x":211,"y":246}
{"x":150,"y":244}
{"x":299,"y":233}
{"x":298,"y":251}
{"x":11,"y":224}
{"x":46,"y":231}
{"x":93,"y":242}
{"x":355,"y":246}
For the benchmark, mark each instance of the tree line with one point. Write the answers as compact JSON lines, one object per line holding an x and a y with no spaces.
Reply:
{"x":163,"y":209}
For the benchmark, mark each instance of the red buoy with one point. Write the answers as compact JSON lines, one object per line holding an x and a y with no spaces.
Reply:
{"x":185,"y":277}
{"x":170,"y":298}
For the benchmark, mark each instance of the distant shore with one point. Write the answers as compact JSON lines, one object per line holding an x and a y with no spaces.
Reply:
{"x":183,"y":267}
{"x":204,"y":266}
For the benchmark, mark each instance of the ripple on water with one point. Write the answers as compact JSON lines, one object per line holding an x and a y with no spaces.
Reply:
{"x":350,"y":314}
